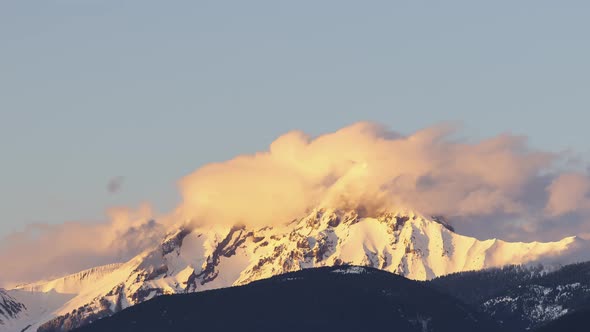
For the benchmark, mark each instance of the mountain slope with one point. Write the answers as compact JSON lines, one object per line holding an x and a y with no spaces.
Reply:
{"x":324,"y":299}
{"x":578,"y":321}
{"x":203,"y":258}
{"x":44,"y":299}
{"x":71,"y":284}
{"x":39,"y":307}
{"x":10,"y":309}
{"x":523,"y":298}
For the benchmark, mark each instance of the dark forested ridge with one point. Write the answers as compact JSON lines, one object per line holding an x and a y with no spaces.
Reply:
{"x":324,"y":299}
{"x":578,"y":321}
{"x":522,"y":298}
{"x":476,"y":286}
{"x":509,"y":299}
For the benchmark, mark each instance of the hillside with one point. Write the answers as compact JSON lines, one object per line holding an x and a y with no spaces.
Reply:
{"x":324,"y":299}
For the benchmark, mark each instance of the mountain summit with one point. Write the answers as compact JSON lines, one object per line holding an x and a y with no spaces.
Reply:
{"x":214,"y":256}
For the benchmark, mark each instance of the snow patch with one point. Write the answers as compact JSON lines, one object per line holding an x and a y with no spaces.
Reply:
{"x":351,"y":270}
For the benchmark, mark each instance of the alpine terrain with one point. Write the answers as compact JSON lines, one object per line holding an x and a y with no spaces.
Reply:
{"x":208,"y":257}
{"x":10,"y":308}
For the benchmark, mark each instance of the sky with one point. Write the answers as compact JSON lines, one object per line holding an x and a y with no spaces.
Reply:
{"x":111,"y":103}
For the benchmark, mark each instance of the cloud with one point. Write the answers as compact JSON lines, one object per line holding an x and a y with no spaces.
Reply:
{"x":496,"y":187}
{"x":45,"y":251}
{"x":365,"y":165}
{"x":568,"y":193}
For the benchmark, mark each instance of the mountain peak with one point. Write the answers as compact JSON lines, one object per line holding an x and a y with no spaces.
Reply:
{"x":214,"y":256}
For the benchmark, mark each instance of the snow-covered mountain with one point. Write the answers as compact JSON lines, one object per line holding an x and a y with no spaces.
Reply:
{"x":70,"y":284}
{"x":38,"y":302}
{"x":37,"y":307}
{"x":208,"y":257}
{"x":10,"y":309}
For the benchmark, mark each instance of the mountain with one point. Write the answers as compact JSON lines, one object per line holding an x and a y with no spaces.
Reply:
{"x":522,"y":297}
{"x":43,"y":299}
{"x":578,"y":321}
{"x":214,"y":256}
{"x":10,"y":309}
{"x":346,"y":298}
{"x":71,"y":284}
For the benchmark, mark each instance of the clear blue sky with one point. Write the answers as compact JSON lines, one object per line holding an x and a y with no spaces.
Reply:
{"x":151,"y":90}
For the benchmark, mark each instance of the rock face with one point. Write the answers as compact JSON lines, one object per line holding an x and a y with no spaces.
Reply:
{"x":202,"y":258}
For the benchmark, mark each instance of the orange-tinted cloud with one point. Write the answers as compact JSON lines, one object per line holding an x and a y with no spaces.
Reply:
{"x":366,"y":165}
{"x":44,"y":251}
{"x":568,"y":193}
{"x":497,"y":187}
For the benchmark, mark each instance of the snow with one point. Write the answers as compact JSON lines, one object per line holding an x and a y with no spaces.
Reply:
{"x":351,"y":270}
{"x":41,"y":306}
{"x":290,"y":279}
{"x":71,"y":284}
{"x":229,"y":270}
{"x":368,"y":234}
